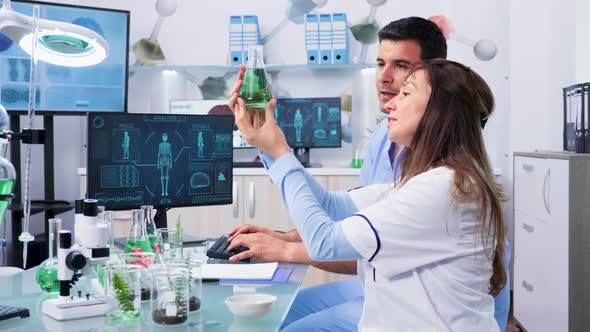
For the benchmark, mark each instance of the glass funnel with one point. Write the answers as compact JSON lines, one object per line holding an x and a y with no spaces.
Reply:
{"x":138,"y":241}
{"x":46,"y":275}
{"x":255,"y":89}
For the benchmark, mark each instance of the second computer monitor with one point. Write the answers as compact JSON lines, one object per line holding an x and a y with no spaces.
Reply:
{"x":310,"y":122}
{"x":209,"y":107}
{"x":159,"y":159}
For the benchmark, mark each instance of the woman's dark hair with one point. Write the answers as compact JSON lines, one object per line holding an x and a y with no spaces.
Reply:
{"x":450,"y":134}
{"x":425,"y":32}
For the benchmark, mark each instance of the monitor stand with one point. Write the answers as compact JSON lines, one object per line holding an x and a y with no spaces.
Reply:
{"x":302,"y":154}
{"x":161,"y":221}
{"x":160,"y":218}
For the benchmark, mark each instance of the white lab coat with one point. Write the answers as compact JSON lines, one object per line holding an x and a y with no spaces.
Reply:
{"x":424,"y":266}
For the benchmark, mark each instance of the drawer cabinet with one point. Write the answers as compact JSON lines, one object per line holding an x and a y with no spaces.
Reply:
{"x":551,"y":237}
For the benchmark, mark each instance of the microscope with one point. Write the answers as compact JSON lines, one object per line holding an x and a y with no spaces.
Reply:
{"x":74,"y":261}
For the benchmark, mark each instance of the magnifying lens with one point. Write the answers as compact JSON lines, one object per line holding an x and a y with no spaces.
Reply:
{"x":59,"y":43}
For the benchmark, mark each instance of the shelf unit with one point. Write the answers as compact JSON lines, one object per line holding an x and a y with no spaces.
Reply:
{"x":233,"y":69}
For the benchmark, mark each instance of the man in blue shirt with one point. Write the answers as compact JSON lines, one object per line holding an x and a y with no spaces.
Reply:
{"x":337,"y":306}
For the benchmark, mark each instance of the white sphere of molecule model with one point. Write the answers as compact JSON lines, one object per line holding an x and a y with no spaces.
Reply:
{"x":485,"y":49}
{"x":376,"y":3}
{"x":166,"y":7}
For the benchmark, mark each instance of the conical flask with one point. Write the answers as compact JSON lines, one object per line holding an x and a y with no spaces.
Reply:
{"x":150,"y":225}
{"x":138,"y":239}
{"x":255,"y":89}
{"x":46,"y":275}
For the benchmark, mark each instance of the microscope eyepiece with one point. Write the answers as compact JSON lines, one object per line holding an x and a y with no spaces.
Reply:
{"x":90,"y":208}
{"x":65,"y":239}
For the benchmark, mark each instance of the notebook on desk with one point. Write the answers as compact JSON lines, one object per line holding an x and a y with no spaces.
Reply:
{"x":263,"y":271}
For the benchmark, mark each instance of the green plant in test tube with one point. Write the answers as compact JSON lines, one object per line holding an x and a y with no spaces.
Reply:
{"x":255,"y":89}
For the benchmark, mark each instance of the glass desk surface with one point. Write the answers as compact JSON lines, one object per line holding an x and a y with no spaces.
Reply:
{"x":22,"y":290}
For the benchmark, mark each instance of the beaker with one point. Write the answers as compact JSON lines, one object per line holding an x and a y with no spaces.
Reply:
{"x":170,"y":240}
{"x":138,"y":239}
{"x":124,"y":289}
{"x":171,"y":295}
{"x":195,"y":280}
{"x":255,"y":89}
{"x":46,"y":275}
{"x":145,"y":260}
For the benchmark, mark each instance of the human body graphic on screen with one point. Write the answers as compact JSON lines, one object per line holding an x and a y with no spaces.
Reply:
{"x":298,"y":124}
{"x":125,"y":146}
{"x":164,"y":162}
{"x":200,"y":145}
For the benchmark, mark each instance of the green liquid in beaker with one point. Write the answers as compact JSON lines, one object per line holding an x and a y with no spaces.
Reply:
{"x":255,"y":90}
{"x":141,"y":244}
{"x":6,"y":186}
{"x":47,"y":279}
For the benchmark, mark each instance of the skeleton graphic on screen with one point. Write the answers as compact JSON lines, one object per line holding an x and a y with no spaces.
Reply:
{"x":164,"y":162}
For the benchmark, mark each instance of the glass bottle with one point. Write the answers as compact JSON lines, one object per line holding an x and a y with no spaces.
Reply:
{"x":46,"y":275}
{"x":255,"y":89}
{"x":150,"y":225}
{"x":138,"y":239}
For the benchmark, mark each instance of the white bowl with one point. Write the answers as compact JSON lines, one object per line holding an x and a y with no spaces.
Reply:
{"x":251,"y":305}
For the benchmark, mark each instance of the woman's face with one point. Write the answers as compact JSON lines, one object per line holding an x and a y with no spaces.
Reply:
{"x":407,"y":108}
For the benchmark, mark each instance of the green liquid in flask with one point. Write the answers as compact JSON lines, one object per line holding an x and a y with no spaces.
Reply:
{"x":47,"y":279}
{"x":141,"y":244}
{"x":6,"y":187}
{"x":153,"y":241}
{"x":255,"y":90}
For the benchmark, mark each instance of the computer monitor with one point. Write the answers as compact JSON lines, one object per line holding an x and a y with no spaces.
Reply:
{"x":310,"y":122}
{"x":162,"y":160}
{"x":209,"y":107}
{"x":68,"y":90}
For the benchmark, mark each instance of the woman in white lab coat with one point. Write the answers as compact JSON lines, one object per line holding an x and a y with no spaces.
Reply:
{"x":430,"y":247}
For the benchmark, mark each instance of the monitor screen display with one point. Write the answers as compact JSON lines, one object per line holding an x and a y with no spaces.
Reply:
{"x":310,"y":122}
{"x":209,"y":107}
{"x":60,"y":89}
{"x":162,"y":160}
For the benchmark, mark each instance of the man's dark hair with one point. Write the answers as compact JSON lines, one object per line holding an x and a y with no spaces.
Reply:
{"x":425,"y":32}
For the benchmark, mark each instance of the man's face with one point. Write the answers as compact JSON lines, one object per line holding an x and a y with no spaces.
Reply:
{"x":394,"y":60}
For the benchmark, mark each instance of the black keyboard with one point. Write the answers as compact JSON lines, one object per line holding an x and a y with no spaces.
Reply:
{"x":7,"y":312}
{"x":247,"y":164}
{"x":219,"y":249}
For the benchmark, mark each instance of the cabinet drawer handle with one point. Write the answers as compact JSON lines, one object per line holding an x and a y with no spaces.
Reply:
{"x":236,"y":210}
{"x":528,"y":286}
{"x":528,"y":168}
{"x":547,"y":191}
{"x":252,"y":200}
{"x":528,"y":228}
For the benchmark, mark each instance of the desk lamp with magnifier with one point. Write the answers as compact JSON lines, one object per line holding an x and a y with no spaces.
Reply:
{"x":54,"y":42}
{"x":58,"y":43}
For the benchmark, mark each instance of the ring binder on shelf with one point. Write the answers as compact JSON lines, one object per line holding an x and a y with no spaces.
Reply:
{"x":243,"y":32}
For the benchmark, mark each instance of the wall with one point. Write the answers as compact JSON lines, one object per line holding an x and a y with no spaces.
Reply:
{"x":195,"y":35}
